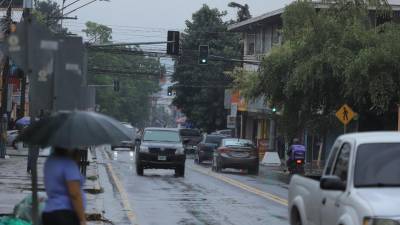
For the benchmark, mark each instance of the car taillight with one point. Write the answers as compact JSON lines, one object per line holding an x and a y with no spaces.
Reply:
{"x":299,"y":161}
{"x":224,"y":150}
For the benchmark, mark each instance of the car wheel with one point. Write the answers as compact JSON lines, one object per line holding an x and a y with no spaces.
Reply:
{"x":254,"y":170}
{"x":295,"y":218}
{"x":217,"y":166}
{"x":180,"y":171}
{"x":139,"y":170}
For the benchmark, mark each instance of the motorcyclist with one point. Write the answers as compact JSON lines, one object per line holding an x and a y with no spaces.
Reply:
{"x":296,"y":151}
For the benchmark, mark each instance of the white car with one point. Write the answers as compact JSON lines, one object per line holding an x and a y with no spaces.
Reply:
{"x":360,"y":184}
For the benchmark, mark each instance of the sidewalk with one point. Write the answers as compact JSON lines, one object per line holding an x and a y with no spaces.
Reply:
{"x":15,"y":183}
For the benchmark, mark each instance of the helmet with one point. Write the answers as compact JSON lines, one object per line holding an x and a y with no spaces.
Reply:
{"x":296,"y":141}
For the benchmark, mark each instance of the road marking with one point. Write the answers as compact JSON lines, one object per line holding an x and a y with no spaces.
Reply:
{"x":124,"y":196}
{"x":241,"y":185}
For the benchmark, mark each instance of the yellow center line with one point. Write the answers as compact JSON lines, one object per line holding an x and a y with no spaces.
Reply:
{"x":124,"y":196}
{"x":243,"y":186}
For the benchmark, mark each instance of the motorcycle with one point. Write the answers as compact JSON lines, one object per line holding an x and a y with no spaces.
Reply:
{"x":296,"y":164}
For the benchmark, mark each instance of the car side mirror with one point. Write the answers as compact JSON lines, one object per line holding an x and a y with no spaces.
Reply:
{"x":332,"y":183}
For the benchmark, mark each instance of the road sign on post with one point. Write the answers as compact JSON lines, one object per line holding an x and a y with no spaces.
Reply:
{"x":234,"y":109}
{"x":231,"y":122}
{"x":345,"y":114}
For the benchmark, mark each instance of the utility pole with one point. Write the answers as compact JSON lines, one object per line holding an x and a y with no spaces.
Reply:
{"x":22,"y":97}
{"x":4,"y":91}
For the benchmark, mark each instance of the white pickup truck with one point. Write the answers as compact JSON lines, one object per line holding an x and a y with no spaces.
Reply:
{"x":360,"y":184}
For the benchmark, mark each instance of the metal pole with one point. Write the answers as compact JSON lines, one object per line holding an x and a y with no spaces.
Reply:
{"x":33,"y":151}
{"x":398,"y":117}
{"x":272,"y":135}
{"x":22,"y":97}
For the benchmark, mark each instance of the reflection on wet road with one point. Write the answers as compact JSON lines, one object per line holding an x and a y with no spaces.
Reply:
{"x":201,"y":197}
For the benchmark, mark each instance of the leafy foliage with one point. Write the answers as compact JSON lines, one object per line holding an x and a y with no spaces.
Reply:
{"x":49,"y":13}
{"x":243,"y":11}
{"x":328,"y":58}
{"x":138,"y":76}
{"x":200,"y":89}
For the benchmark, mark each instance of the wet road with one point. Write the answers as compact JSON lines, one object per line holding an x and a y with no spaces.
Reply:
{"x":201,"y":197}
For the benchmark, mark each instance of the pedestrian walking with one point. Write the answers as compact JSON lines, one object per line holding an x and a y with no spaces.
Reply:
{"x":64,"y":187}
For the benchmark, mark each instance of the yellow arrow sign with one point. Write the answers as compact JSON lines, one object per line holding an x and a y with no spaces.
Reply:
{"x":345,"y":114}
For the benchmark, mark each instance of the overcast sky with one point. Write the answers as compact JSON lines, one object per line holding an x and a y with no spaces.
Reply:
{"x":138,"y":20}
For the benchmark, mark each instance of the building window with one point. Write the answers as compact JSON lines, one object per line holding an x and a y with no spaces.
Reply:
{"x":251,"y":39}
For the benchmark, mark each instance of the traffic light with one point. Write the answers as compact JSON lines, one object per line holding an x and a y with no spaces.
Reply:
{"x":116,"y":85}
{"x":173,"y":43}
{"x":169,"y":91}
{"x":203,"y":54}
{"x":273,"y":109}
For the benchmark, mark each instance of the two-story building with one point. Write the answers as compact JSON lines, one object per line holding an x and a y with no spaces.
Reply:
{"x":260,"y":34}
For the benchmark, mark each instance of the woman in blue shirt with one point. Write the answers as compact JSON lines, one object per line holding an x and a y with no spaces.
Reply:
{"x":64,"y":187}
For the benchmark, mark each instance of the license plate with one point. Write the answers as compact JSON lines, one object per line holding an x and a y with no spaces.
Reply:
{"x":162,"y":157}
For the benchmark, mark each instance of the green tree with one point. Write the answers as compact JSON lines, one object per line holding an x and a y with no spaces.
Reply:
{"x":98,"y":33}
{"x":243,"y":11}
{"x":49,"y":13}
{"x":200,"y":89}
{"x":343,"y":54}
{"x":138,"y":76}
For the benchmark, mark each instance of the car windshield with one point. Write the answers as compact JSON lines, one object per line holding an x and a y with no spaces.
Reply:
{"x":237,"y":142}
{"x":213,"y":139}
{"x":377,"y":165}
{"x":161,"y":135}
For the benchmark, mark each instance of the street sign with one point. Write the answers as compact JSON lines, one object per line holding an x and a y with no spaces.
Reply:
{"x":345,"y":114}
{"x":231,"y":122}
{"x":234,"y":109}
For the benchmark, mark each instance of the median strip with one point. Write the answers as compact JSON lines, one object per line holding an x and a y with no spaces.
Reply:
{"x":243,"y":186}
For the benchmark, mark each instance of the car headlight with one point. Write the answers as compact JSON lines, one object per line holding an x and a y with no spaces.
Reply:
{"x":180,"y":151}
{"x":380,"y":221}
{"x":144,"y":149}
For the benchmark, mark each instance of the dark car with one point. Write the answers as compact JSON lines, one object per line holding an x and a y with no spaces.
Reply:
{"x":236,"y":153}
{"x":128,"y":143}
{"x":191,"y":137}
{"x":161,"y":148}
{"x":206,"y":147}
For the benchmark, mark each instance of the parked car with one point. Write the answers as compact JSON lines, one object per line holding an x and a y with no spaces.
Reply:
{"x":161,"y":148}
{"x":128,"y":143}
{"x":236,"y":153}
{"x":226,"y":133}
{"x":192,"y":138}
{"x":359,"y":185}
{"x":11,"y":136}
{"x":205,"y":149}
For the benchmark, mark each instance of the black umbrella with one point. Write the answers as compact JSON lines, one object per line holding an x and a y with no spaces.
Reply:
{"x":71,"y":129}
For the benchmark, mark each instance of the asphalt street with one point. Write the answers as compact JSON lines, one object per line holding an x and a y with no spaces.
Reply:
{"x":201,"y":197}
